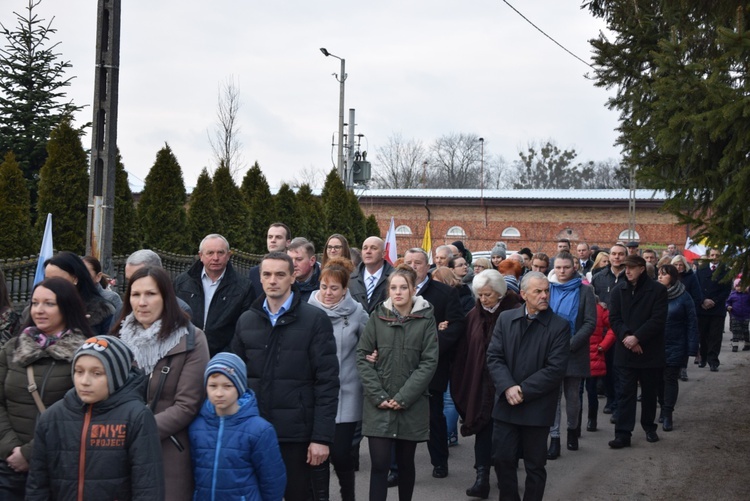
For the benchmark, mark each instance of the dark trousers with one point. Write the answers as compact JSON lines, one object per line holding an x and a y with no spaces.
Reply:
{"x":506,"y":440}
{"x":341,"y":450}
{"x":610,"y":380}
{"x":438,"y":443}
{"x":483,"y":446}
{"x":669,"y":388}
{"x":298,"y":486}
{"x":591,"y":393}
{"x":380,"y":457}
{"x":711,"y":330}
{"x":629,"y":377}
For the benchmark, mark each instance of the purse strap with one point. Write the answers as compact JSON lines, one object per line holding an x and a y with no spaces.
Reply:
{"x":33,"y":388}
{"x":162,"y":378}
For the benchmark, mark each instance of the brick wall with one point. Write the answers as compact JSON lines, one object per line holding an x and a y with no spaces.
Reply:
{"x":540,"y":227}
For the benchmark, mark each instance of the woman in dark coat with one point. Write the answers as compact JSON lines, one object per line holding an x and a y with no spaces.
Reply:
{"x":471,"y":386}
{"x":69,"y":266}
{"x":680,"y":339}
{"x":56,"y":328}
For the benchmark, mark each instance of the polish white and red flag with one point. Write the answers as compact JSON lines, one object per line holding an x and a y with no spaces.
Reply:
{"x":390,"y":244}
{"x":695,"y":250}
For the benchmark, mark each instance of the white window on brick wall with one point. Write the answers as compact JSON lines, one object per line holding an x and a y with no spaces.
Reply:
{"x":628,"y":235}
{"x":511,"y":232}
{"x":403,"y":230}
{"x":457,"y":232}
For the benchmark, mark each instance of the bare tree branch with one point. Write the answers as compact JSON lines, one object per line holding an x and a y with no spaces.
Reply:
{"x":224,"y":140}
{"x":399,"y":163}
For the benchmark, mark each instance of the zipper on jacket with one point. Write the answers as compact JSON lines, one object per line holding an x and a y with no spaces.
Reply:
{"x":216,"y":457}
{"x":82,"y":453}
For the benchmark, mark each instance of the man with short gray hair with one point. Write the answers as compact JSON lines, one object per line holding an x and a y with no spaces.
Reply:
{"x":217,"y":294}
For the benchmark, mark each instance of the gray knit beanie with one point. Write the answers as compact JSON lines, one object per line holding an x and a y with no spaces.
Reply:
{"x":114,"y":355}
{"x":500,"y":249}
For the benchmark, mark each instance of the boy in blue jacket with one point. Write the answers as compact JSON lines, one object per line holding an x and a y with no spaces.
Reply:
{"x":100,"y":441}
{"x":235,"y":452}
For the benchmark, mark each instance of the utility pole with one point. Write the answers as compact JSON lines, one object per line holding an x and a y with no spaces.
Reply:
{"x":341,"y":78}
{"x":631,"y":206}
{"x":100,"y":218}
{"x":349,"y":182}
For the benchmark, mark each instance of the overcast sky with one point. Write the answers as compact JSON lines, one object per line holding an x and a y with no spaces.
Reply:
{"x":420,"y":68}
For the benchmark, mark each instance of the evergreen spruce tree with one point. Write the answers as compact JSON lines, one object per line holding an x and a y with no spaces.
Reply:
{"x":232,"y":213}
{"x":336,"y":206}
{"x":32,"y":92}
{"x":373,"y":229}
{"x":15,"y":205}
{"x":262,"y":210}
{"x":356,"y":218}
{"x":202,"y":216}
{"x":286,"y":209}
{"x":64,"y":189}
{"x":125,"y":236}
{"x":310,"y":217}
{"x":161,"y":210}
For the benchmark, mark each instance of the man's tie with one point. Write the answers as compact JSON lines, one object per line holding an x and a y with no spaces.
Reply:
{"x":370,"y":287}
{"x":713,"y":267}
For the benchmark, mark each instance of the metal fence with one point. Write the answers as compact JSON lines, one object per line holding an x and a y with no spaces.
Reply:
{"x":19,"y":272}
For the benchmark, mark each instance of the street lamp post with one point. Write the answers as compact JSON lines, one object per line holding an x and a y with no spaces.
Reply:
{"x":341,"y":79}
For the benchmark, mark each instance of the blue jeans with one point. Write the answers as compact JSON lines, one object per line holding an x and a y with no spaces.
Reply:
{"x":451,"y":415}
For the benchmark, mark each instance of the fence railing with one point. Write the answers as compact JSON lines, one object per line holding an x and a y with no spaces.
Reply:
{"x":19,"y":272}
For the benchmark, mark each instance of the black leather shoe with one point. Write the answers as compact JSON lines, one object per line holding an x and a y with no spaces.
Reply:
{"x":667,"y":425}
{"x":440,"y":471}
{"x":652,"y":437}
{"x":607,"y":409}
{"x":702,"y":364}
{"x":572,"y":441}
{"x":619,"y":442}
{"x":554,"y":448}
{"x":591,"y":425}
{"x":392,"y":479}
{"x":714,"y":368}
{"x":613,"y":419}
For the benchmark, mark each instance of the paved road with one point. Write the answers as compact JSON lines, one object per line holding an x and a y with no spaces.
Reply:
{"x":705,"y":457}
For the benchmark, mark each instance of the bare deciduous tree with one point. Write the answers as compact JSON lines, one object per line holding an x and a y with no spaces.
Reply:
{"x":455,"y":160}
{"x":399,"y":163}
{"x":224,"y":139}
{"x":312,"y":176}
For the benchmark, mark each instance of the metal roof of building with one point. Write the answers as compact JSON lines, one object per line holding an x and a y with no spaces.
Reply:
{"x":514,"y":194}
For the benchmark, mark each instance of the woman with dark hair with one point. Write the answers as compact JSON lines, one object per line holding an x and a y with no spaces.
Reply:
{"x":69,"y":266}
{"x":101,"y":281}
{"x":336,"y":246}
{"x":173,"y":353}
{"x":472,"y":388}
{"x":680,"y":339}
{"x":348,"y":318}
{"x":9,"y":319}
{"x":402,"y":334}
{"x":41,"y":354}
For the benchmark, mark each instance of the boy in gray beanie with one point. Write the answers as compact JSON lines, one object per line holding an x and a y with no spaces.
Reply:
{"x":99,"y":441}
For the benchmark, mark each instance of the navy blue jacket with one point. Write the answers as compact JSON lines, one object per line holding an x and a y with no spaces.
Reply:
{"x":236,"y":457}
{"x":681,"y":330}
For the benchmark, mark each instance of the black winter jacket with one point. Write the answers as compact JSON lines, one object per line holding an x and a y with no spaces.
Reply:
{"x":121,"y":457}
{"x":292,"y":368}
{"x":640,"y":310}
{"x":232,"y":298}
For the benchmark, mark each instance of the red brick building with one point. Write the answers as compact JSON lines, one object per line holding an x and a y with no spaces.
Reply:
{"x":523,"y":218}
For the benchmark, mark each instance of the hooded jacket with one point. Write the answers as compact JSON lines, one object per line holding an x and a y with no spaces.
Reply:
{"x":602,"y":336}
{"x":236,"y":457}
{"x":108,"y":450}
{"x":348,"y":319}
{"x":407,"y":359}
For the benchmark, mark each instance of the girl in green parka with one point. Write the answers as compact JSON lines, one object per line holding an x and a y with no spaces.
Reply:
{"x":396,"y":358}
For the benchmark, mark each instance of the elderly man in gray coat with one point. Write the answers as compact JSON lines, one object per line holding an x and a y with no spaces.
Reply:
{"x":574,"y":301}
{"x":527,"y":358}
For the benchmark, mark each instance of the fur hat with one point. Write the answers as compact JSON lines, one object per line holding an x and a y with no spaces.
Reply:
{"x":114,"y":355}
{"x":231,"y":366}
{"x":500,"y":249}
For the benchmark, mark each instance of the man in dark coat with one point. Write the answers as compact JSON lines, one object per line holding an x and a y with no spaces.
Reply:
{"x":368,"y":283}
{"x":638,"y":316}
{"x":216,"y":294}
{"x":712,"y":311}
{"x":290,"y":353}
{"x":447,"y":306}
{"x":527,"y":359}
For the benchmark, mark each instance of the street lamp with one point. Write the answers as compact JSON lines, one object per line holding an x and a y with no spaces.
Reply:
{"x":341,"y":79}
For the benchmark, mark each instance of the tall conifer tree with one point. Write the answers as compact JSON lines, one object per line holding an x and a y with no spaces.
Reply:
{"x":286,"y":209}
{"x":15,"y":205}
{"x":161,"y":210}
{"x":202,"y":216}
{"x":64,"y":189}
{"x":125,"y":238}
{"x":336,"y":207}
{"x":310,"y":217}
{"x":232,"y":212}
{"x":259,"y":200}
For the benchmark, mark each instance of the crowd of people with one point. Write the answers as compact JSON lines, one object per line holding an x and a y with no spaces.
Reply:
{"x":216,"y":385}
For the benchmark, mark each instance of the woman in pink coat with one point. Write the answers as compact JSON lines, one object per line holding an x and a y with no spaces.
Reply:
{"x":601,"y":340}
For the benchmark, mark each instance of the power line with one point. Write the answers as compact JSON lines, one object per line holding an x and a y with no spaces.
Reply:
{"x":546,"y":35}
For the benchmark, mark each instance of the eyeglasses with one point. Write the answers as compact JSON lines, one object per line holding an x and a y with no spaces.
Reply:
{"x":335,"y":247}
